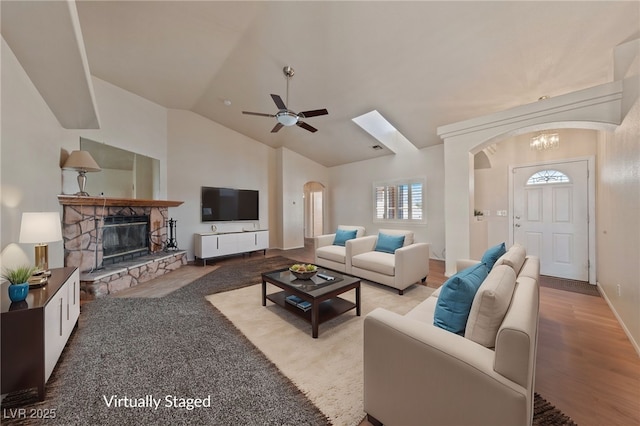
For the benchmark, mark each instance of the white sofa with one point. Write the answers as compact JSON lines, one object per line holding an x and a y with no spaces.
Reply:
{"x":408,"y":265}
{"x":332,"y":256}
{"x":416,"y":373}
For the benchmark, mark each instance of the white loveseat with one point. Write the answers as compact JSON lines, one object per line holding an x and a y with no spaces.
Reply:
{"x":416,"y":373}
{"x":336,"y":257}
{"x":408,"y":265}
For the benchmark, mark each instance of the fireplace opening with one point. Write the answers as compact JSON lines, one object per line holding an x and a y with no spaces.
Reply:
{"x":124,"y":238}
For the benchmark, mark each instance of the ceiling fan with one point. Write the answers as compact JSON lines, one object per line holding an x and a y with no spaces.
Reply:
{"x":285,"y":116}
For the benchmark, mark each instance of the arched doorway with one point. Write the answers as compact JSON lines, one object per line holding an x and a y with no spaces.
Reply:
{"x":597,"y":108}
{"x":546,"y":214}
{"x":314,"y":196}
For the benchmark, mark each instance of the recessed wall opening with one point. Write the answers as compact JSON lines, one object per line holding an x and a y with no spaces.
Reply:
{"x":314,"y":201}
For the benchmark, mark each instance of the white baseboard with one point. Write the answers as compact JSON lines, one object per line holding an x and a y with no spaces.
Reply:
{"x":615,"y":313}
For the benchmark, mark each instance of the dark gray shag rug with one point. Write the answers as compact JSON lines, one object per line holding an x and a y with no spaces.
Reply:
{"x":545,"y":414}
{"x":177,"y":346}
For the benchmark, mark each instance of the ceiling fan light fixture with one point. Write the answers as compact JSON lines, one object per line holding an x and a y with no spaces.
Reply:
{"x":287,"y":118}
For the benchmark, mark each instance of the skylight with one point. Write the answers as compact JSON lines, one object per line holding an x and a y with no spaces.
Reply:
{"x":377,"y":126}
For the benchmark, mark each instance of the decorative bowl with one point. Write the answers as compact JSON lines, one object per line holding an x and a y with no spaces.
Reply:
{"x":302,"y":273}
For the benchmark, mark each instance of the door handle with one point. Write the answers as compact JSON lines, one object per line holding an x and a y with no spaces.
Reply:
{"x":517,"y":217}
{"x":517,"y":225}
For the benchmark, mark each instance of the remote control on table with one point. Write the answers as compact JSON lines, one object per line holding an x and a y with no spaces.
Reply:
{"x":326,"y":277}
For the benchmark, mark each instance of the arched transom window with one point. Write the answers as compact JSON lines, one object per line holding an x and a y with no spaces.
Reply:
{"x":548,"y":176}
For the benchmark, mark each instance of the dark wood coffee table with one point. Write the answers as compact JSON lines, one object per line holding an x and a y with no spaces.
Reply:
{"x":322,"y":294}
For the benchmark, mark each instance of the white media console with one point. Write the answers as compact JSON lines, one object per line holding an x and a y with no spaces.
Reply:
{"x":216,"y":244}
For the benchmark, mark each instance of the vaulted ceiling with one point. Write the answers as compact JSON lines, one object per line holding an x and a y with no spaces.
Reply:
{"x":420,"y":64}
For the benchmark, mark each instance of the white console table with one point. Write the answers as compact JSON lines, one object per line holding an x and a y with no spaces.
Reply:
{"x":209,"y":245}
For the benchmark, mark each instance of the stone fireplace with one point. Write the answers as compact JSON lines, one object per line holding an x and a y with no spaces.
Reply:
{"x":117,"y":243}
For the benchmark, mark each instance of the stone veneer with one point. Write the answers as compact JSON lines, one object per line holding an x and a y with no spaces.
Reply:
{"x":82,"y":245}
{"x":123,"y":275}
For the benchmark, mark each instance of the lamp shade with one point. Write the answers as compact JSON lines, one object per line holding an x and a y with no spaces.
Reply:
{"x":40,"y":227}
{"x":81,"y":161}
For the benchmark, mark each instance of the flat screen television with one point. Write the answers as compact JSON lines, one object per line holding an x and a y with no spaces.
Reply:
{"x":227,"y":204}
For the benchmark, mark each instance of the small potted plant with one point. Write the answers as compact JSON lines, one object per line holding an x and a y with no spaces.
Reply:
{"x":19,"y":281}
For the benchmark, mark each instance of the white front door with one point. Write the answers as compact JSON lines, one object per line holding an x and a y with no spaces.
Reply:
{"x":550,"y":216}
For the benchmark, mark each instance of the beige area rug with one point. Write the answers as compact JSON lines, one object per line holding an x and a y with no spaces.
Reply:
{"x":327,"y":369}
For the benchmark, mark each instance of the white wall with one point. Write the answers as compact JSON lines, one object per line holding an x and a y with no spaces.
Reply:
{"x":30,"y":142}
{"x":33,"y":144}
{"x":118,"y":182}
{"x":204,"y":153}
{"x":491,"y":185}
{"x":296,"y":170}
{"x":351,"y":193}
{"x":129,"y":122}
{"x":618,"y":223}
{"x":144,"y":177}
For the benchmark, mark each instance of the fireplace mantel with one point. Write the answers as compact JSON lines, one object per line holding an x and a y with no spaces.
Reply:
{"x":75,"y":200}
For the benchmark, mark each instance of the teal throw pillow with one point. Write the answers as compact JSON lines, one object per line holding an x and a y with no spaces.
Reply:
{"x":389,"y":243}
{"x":492,"y":254}
{"x":342,"y":236}
{"x":455,"y":299}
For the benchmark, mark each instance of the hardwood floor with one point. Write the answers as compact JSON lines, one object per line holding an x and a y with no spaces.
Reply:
{"x":586,"y":365}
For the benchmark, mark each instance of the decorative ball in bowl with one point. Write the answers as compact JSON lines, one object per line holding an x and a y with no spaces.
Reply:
{"x":303,"y":271}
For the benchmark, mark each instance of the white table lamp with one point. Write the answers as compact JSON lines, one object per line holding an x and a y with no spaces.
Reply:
{"x":41,"y":228}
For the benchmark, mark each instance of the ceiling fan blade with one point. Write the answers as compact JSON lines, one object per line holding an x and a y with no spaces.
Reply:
{"x":306,"y":126}
{"x":278,"y":100}
{"x":314,"y":113}
{"x":277,"y":127}
{"x":258,"y":113}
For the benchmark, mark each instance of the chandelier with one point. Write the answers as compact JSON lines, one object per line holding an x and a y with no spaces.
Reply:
{"x":545,"y":141}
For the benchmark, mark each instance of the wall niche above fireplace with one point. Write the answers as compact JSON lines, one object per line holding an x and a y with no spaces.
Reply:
{"x":124,"y":173}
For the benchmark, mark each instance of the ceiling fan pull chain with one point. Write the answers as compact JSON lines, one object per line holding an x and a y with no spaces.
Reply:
{"x":288,"y":78}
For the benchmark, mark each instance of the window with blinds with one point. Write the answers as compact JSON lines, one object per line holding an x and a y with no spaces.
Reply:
{"x":399,"y":201}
